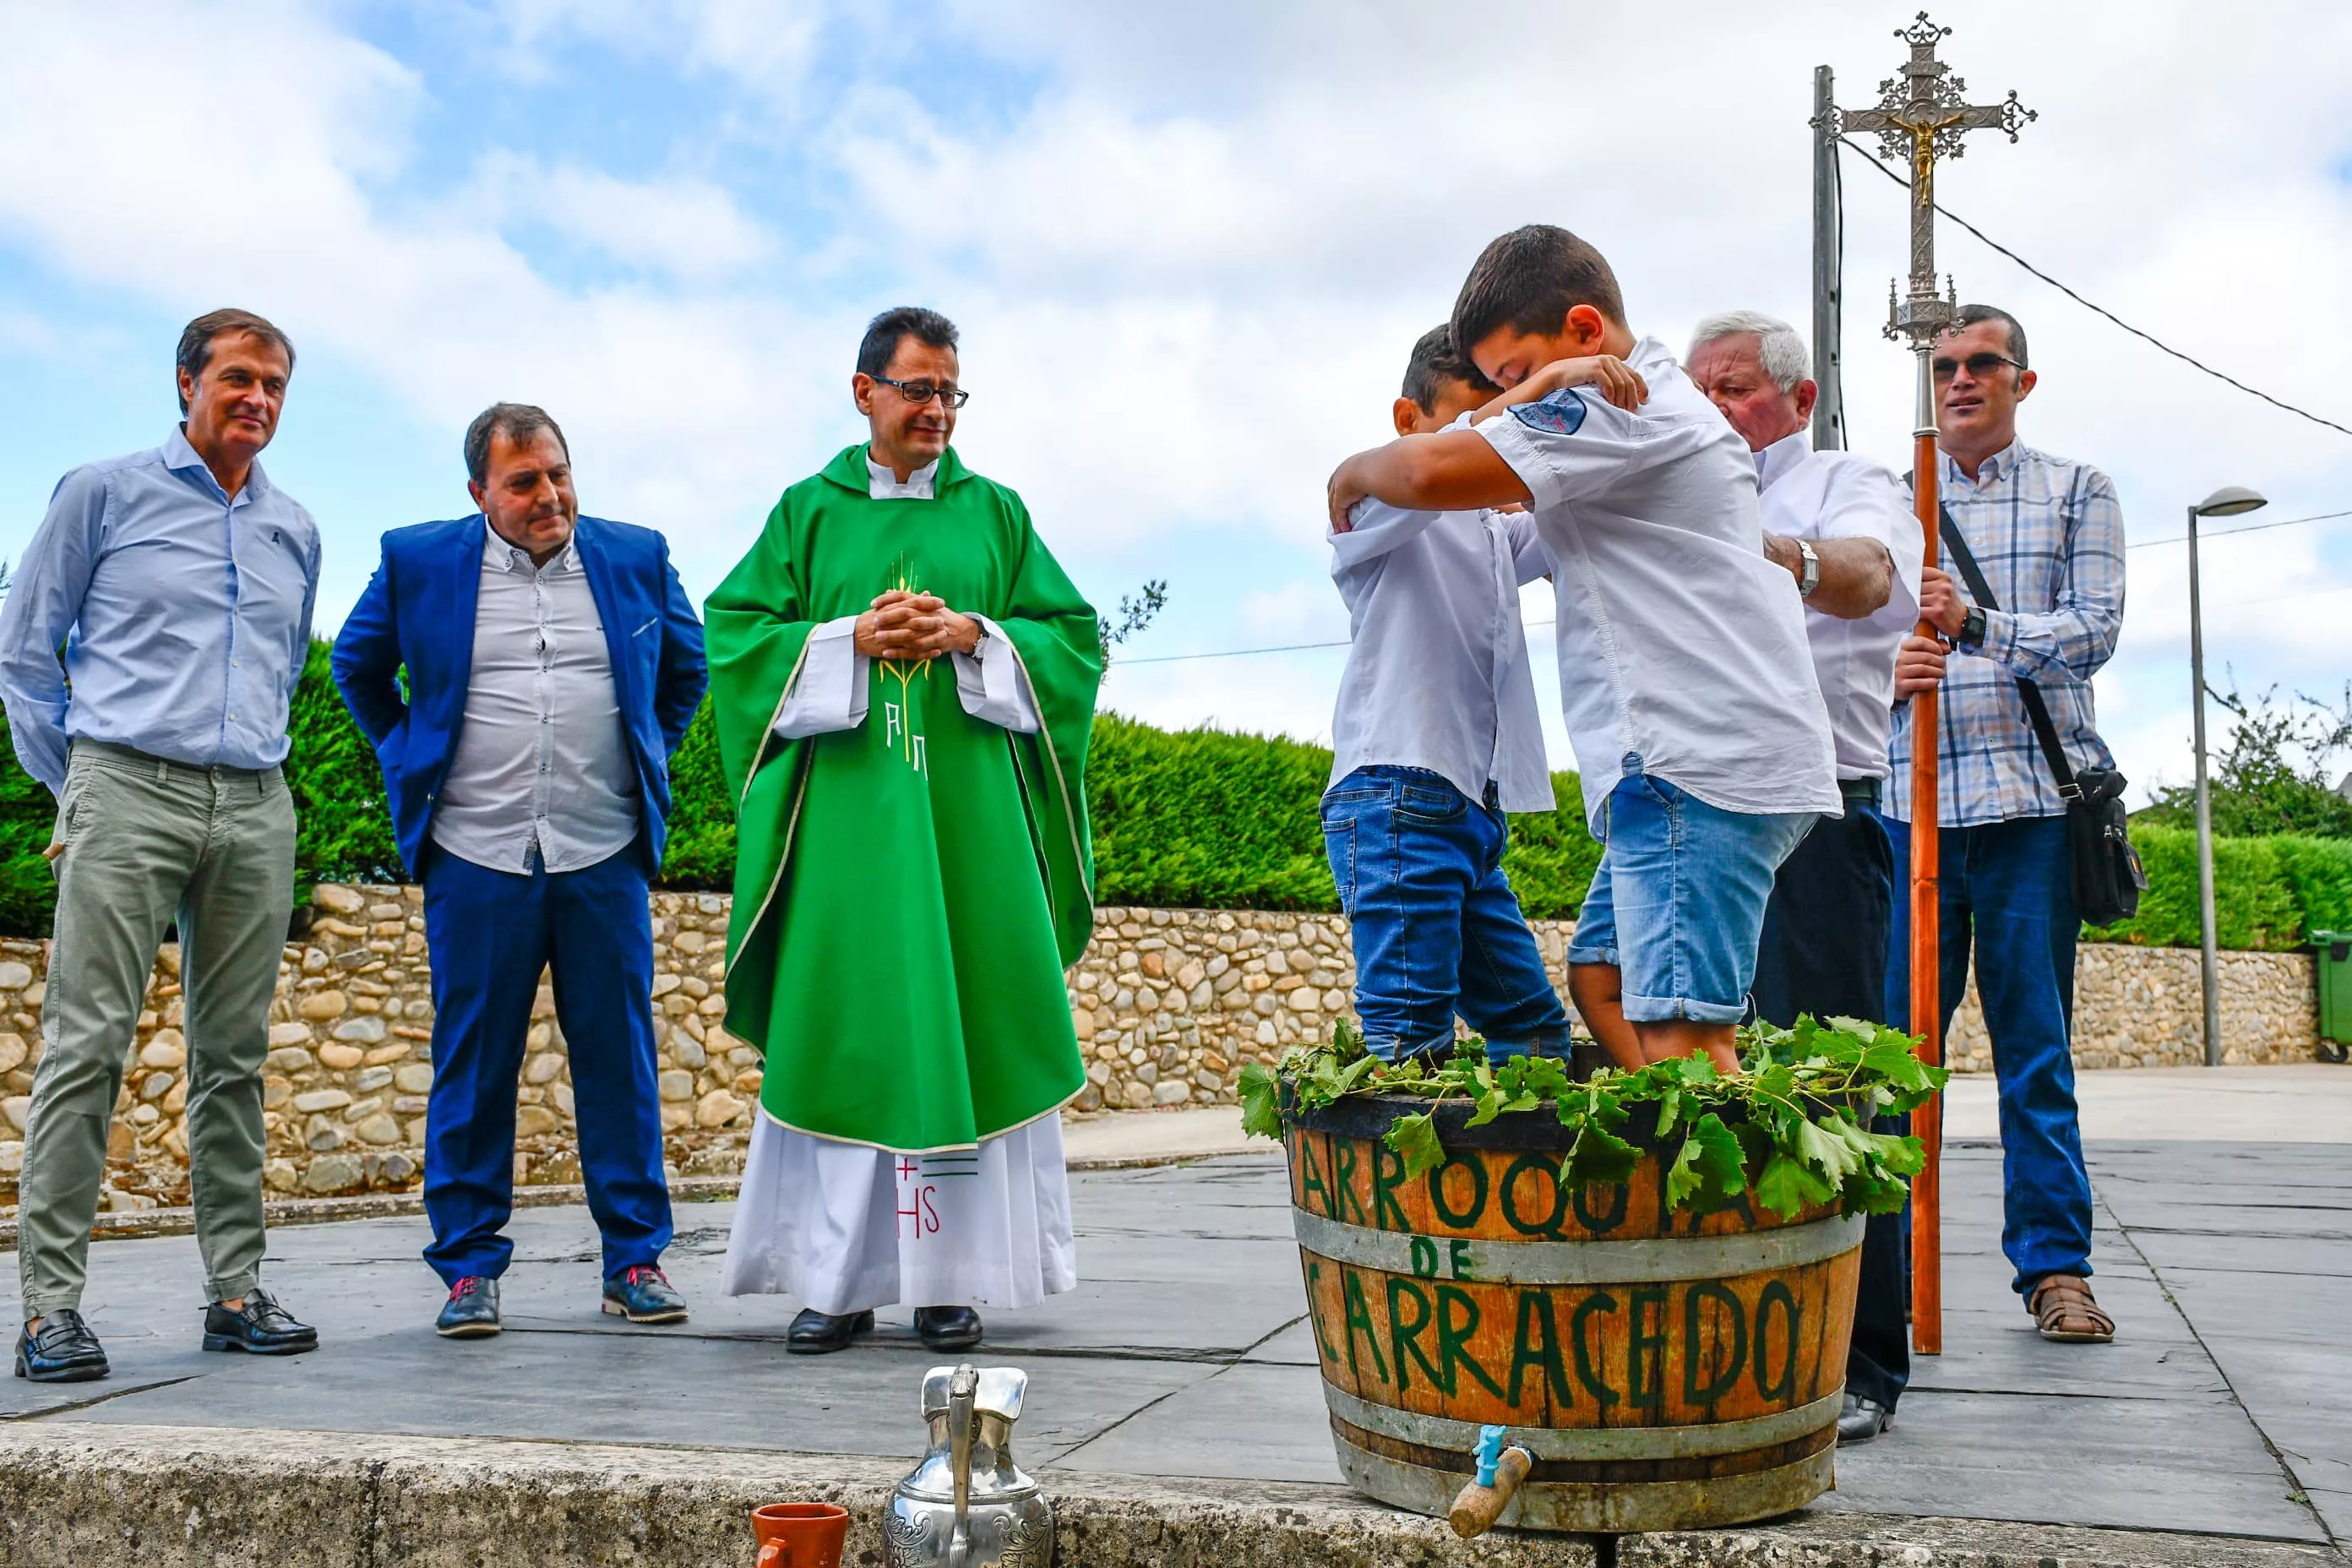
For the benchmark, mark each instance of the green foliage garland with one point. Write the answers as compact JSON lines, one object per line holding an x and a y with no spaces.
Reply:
{"x":1792,"y":1125}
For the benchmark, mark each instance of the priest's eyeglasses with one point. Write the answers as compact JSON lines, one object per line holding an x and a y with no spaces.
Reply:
{"x":1980,"y":366}
{"x":920,"y":391}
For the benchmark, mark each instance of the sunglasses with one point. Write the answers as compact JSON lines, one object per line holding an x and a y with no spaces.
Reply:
{"x":1980,"y":366}
{"x":920,"y":391}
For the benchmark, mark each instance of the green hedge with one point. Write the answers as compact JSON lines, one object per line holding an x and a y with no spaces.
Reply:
{"x":1212,"y":819}
{"x":2268,"y":893}
{"x":1206,"y":819}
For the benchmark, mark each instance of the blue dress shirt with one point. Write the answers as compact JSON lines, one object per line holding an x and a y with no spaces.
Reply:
{"x":184,"y":616}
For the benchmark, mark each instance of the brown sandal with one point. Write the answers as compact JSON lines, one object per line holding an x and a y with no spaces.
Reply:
{"x":2065,"y":1313}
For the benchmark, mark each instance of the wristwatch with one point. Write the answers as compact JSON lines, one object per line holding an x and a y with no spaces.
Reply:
{"x":1811,"y":578}
{"x":1972,"y":628}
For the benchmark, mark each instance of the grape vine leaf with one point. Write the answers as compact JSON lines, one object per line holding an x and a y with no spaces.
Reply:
{"x":1785,"y":1186}
{"x":1670,"y":1105}
{"x":1416,"y":1138}
{"x":1261,"y":1095}
{"x":1710,"y":1172}
{"x":1598,"y":1155}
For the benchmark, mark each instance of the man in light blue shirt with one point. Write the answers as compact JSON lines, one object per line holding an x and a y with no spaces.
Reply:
{"x":179,"y":583}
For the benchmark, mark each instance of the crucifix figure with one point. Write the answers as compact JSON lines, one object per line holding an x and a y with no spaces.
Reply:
{"x":1921,"y":117}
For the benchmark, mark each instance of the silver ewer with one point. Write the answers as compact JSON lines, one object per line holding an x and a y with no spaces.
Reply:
{"x":967,"y":1504}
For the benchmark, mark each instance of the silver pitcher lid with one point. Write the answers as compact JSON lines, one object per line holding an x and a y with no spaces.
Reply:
{"x":999,"y":1393}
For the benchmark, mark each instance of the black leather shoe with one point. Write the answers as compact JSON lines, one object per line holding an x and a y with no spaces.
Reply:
{"x":471,"y":1313}
{"x":260,"y":1327}
{"x":821,"y":1333}
{"x":644,"y":1295}
{"x":948,"y":1328}
{"x":65,"y":1351}
{"x":1862,"y":1419}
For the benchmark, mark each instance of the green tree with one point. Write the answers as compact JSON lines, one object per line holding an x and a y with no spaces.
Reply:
{"x":2273,"y":778}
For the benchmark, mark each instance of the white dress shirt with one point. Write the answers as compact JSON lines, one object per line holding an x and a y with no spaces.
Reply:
{"x":542,"y":764}
{"x":1837,"y":495}
{"x":1438,"y":676}
{"x":1682,"y":649}
{"x":829,"y":690}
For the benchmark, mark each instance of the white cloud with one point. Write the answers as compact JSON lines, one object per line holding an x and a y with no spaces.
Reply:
{"x":687,"y":228}
{"x":1189,"y":248}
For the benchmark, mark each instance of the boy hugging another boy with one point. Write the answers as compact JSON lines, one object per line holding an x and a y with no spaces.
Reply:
{"x":1435,"y":737}
{"x":1685,"y":681}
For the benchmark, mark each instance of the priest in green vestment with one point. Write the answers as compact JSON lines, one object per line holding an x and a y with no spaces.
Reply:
{"x":904,"y":681}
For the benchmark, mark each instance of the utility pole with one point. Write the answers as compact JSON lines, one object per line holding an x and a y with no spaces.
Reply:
{"x":1921,"y":116}
{"x":1829,"y":405}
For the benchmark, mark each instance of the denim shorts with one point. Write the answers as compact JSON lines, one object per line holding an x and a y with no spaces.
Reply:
{"x":1678,"y":902}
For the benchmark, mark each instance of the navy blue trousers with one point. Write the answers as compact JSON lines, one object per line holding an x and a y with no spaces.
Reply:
{"x":490,"y":933}
{"x":2008,"y":888}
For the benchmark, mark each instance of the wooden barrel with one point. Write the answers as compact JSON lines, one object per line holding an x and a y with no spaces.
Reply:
{"x":1665,"y":1371}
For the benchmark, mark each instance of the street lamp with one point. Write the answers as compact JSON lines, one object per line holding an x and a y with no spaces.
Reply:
{"x":2227,"y":501}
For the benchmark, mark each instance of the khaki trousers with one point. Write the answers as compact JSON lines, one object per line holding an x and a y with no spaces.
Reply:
{"x":144,"y":841}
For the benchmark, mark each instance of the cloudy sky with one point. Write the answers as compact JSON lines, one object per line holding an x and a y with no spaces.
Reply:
{"x":1189,"y":247}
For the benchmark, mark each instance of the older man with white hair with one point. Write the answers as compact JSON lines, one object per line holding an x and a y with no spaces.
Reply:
{"x":1842,"y":526}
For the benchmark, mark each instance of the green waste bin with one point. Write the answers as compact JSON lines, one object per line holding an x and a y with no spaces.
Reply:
{"x":2331,"y":963}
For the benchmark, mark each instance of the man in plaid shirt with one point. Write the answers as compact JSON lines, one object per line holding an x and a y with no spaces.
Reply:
{"x":2048,"y":537}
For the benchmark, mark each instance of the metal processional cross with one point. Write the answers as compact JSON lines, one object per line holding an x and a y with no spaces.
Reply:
{"x":1920,"y":117}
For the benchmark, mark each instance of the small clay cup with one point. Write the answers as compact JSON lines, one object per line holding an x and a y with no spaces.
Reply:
{"x":800,"y":1534}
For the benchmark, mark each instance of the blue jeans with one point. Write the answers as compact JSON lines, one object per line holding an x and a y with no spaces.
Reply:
{"x":490,"y":934}
{"x":1437,"y":929}
{"x":2010,"y":885}
{"x":1678,"y":902}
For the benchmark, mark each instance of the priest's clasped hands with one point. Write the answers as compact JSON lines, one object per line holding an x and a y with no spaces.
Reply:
{"x":910,"y":625}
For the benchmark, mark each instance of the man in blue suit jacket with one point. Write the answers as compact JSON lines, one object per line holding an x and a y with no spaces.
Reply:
{"x":552,"y":663}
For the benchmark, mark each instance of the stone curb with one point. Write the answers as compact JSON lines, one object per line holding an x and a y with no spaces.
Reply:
{"x":73,"y":1494}
{"x":137,"y":1222}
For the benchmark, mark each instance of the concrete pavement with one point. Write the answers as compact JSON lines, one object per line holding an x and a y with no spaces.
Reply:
{"x":1183,"y":1360}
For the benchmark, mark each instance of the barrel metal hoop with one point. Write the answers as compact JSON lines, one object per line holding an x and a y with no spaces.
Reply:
{"x":1612,"y":1508}
{"x":1655,"y":1258}
{"x":1581,"y":1443}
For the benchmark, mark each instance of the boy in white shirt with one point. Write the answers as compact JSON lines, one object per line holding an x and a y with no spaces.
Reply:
{"x":1435,"y":736}
{"x":1686,"y":679}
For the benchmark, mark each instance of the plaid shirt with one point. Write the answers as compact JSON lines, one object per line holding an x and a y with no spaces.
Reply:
{"x":2049,"y":536}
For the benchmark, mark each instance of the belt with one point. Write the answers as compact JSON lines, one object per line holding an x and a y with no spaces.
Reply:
{"x":1861,"y":791}
{"x":131,"y":756}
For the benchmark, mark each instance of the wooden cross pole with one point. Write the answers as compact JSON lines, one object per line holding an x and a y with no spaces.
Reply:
{"x":1920,"y":117}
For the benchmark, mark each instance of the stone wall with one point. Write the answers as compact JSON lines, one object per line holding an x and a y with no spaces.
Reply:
{"x":1168,"y":1005}
{"x":2144,"y":1008}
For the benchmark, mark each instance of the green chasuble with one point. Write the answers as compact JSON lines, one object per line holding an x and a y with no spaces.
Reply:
{"x":908,"y":891}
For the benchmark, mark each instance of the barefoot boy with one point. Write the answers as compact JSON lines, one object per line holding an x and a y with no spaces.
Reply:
{"x":1435,"y":737}
{"x":1684,"y":676}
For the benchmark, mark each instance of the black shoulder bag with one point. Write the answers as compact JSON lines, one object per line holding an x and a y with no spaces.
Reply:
{"x":2108,"y":879}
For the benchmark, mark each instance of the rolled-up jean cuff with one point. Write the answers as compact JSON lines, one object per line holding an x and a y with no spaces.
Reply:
{"x":1538,"y":1043}
{"x":1666,"y":1009}
{"x":235,"y":1288}
{"x":1396,"y":1048}
{"x":1592,"y":955}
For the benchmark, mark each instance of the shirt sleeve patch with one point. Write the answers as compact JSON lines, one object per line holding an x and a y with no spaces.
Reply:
{"x":1561,"y":414}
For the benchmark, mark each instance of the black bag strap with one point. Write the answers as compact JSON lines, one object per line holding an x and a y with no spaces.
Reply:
{"x":2036,"y":710}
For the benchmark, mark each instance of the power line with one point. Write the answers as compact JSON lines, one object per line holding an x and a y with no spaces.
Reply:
{"x":2204,"y":534}
{"x":1246,"y":652}
{"x":2099,"y":309}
